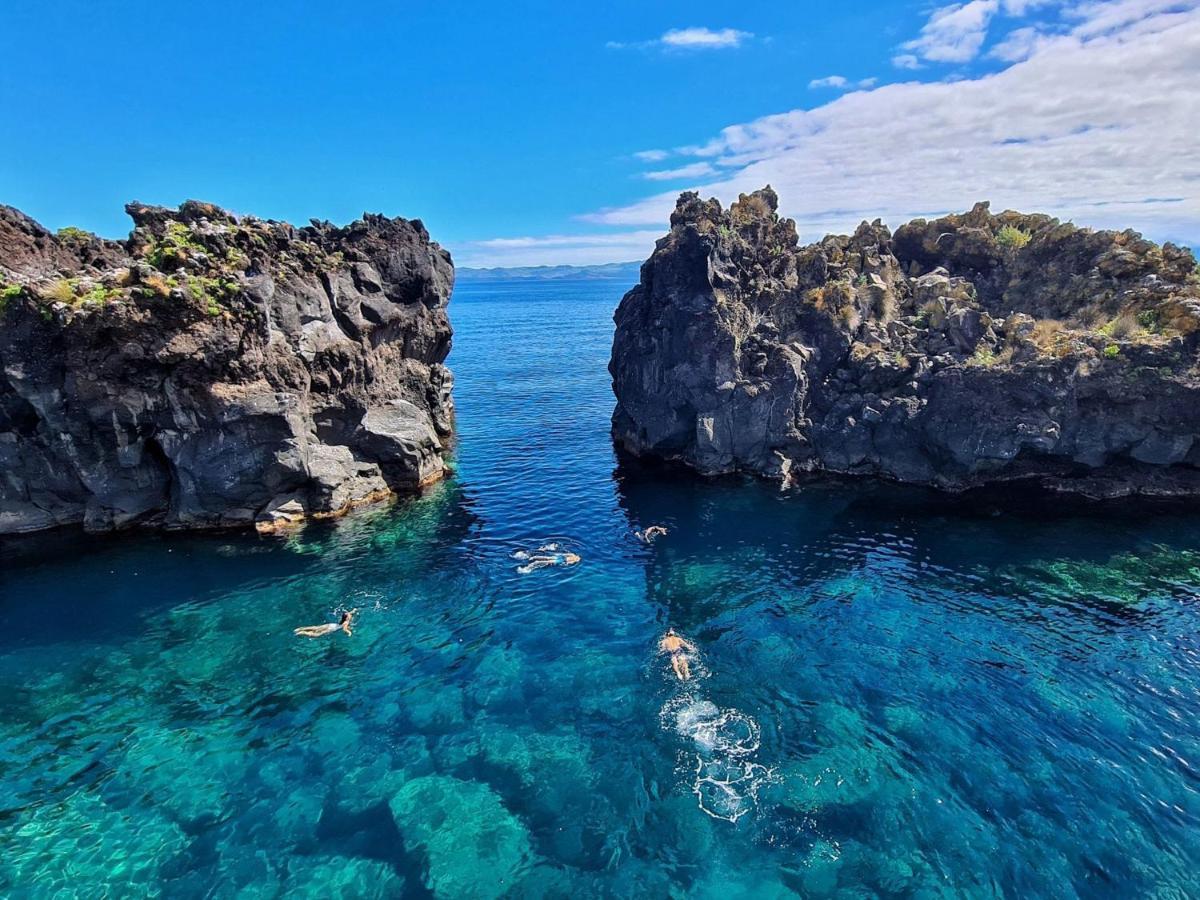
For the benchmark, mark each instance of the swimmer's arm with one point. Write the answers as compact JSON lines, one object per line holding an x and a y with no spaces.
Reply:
{"x":689,"y":645}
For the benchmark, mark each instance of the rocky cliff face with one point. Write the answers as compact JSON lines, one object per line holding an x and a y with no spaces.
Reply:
{"x":218,"y":371}
{"x":971,"y":349}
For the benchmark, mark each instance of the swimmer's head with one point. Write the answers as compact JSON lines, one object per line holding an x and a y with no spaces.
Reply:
{"x":571,"y":558}
{"x":670,"y":631}
{"x":345,"y":617}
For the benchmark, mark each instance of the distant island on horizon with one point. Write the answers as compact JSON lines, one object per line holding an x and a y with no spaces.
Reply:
{"x":604,"y":271}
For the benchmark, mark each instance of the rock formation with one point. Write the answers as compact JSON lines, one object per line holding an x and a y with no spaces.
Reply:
{"x":217,"y":371}
{"x":970,"y":349}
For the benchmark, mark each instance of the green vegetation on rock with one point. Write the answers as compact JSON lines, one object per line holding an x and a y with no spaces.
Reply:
{"x":1012,"y":237}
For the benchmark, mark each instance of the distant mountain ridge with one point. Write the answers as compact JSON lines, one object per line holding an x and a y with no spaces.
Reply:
{"x":607,"y":271}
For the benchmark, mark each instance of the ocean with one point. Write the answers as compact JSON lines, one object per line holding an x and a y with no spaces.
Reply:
{"x":894,"y":694}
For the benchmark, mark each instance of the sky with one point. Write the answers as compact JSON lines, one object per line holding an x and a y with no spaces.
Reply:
{"x":536,"y":133}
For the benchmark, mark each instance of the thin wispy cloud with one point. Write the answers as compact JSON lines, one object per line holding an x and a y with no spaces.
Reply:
{"x":692,"y":170}
{"x":1064,"y":129}
{"x":651,"y":155}
{"x":685,"y":39}
{"x":704,"y":38}
{"x":840,"y":82}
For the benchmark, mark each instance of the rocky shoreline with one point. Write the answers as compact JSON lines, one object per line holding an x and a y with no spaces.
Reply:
{"x":966,"y":351}
{"x":218,"y":371}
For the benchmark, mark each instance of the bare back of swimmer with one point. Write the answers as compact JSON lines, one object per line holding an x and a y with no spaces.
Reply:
{"x":676,"y":646}
{"x":316,"y":631}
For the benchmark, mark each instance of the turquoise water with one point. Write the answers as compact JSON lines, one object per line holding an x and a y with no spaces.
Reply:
{"x":894,"y":696}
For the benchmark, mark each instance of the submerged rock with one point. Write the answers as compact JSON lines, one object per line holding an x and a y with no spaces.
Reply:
{"x":970,"y":349}
{"x":216,"y":371}
{"x":474,"y":847}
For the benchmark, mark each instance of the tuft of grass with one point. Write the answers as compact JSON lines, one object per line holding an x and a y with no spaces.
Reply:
{"x":1124,"y":325}
{"x":1112,"y":351}
{"x":8,"y":293}
{"x":169,"y":252}
{"x":1149,"y":320}
{"x":211,"y":291}
{"x":983,"y":357}
{"x":65,"y":290}
{"x":101,"y":294}
{"x":1012,"y":237}
{"x":1046,"y":334}
{"x":73,"y":235}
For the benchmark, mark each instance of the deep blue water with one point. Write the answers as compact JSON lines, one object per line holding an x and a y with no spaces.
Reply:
{"x":894,"y":696}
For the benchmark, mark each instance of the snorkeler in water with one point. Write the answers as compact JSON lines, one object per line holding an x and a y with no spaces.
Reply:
{"x":546,"y":555}
{"x":650,"y":533}
{"x":342,"y":624}
{"x":675,"y":645}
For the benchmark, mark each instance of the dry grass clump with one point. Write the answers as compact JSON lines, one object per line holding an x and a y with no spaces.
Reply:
{"x":1048,"y":335}
{"x":1124,"y":326}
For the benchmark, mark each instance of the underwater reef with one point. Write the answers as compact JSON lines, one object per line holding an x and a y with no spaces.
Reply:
{"x":971,"y":349}
{"x":215,"y":370}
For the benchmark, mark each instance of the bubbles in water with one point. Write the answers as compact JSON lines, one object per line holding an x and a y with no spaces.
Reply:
{"x":728,"y":788}
{"x":726,"y":780}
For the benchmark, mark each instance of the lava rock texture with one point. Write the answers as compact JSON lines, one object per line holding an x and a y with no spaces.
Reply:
{"x":958,"y":352}
{"x":217,"y":371}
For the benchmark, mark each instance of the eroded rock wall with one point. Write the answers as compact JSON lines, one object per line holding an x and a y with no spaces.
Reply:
{"x":961,"y":351}
{"x":218,"y":371}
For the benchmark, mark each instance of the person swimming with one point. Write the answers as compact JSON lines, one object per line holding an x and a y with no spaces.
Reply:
{"x":342,"y":624}
{"x":541,"y":559}
{"x":650,"y":533}
{"x":546,"y":555}
{"x":675,"y":645}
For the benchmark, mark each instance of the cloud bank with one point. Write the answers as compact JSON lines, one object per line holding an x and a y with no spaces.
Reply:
{"x":1097,"y":120}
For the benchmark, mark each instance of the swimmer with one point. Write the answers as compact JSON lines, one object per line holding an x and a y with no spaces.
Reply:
{"x":342,"y":624}
{"x":650,"y":533}
{"x":542,"y":559}
{"x":675,"y":645}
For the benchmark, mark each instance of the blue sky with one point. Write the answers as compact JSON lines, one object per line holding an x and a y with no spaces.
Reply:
{"x":549,"y":133}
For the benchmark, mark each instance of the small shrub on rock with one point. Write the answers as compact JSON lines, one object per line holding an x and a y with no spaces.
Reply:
{"x":1012,"y":237}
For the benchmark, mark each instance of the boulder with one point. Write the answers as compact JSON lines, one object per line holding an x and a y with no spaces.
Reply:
{"x":473,"y":846}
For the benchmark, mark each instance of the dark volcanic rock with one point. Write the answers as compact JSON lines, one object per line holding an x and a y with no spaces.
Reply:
{"x":218,"y":371}
{"x":971,"y":349}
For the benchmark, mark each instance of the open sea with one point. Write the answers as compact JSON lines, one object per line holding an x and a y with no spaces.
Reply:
{"x":894,"y":695}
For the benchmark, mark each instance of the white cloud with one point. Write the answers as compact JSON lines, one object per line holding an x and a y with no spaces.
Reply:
{"x":692,"y":170}
{"x":1104,"y":17}
{"x":689,"y":39}
{"x":906,"y":61}
{"x":703,"y":38}
{"x":556,"y":249}
{"x":1017,"y":45}
{"x":954,"y":33}
{"x":837,"y":81}
{"x":1020,"y":7}
{"x":1100,"y":124}
{"x":651,"y":155}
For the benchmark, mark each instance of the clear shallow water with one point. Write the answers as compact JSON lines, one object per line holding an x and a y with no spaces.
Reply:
{"x":894,"y":696}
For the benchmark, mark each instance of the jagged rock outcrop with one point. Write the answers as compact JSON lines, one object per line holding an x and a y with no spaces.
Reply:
{"x":971,"y":349}
{"x":218,"y":371}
